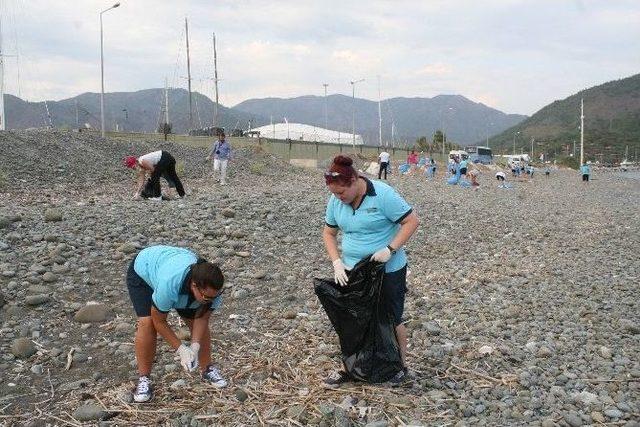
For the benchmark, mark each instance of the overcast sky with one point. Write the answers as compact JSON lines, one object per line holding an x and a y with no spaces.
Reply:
{"x":513,"y":55}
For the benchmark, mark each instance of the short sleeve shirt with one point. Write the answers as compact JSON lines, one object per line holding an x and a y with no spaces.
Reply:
{"x":164,"y":269}
{"x":153,"y":157}
{"x":384,"y":157}
{"x":370,"y":227}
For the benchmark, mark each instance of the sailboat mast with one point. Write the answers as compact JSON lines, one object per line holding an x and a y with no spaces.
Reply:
{"x":215,"y":80}
{"x":186,"y":29}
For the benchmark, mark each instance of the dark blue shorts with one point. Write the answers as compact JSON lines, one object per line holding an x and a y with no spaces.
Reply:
{"x":394,"y":289}
{"x":140,"y":293}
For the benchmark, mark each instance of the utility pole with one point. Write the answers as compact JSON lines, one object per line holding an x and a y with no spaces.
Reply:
{"x":326,"y":110}
{"x":379,"y":115}
{"x":215,"y":79}
{"x":186,"y":29}
{"x":353,"y":115}
{"x":166,"y":101}
{"x":581,"y":131}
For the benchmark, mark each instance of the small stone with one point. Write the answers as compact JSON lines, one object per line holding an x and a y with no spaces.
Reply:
{"x":37,"y":369}
{"x":605,"y":352}
{"x":126,"y":397}
{"x":544,"y":351}
{"x":49,"y":277}
{"x":432,"y":328}
{"x":613,"y":413}
{"x":92,"y":313}
{"x":228,"y":213}
{"x":573,"y":419}
{"x":241,"y":395}
{"x":52,"y":215}
{"x":89,"y":412}
{"x":290,"y":315}
{"x":34,"y":300}
{"x":597,"y":417}
{"x":240,"y":294}
{"x":5,"y":222}
{"x":630,"y":326}
{"x":243,"y":254}
{"x":23,"y":348}
{"x":548,"y":423}
{"x":181,"y":383}
{"x":127,"y":248}
{"x":382,"y":423}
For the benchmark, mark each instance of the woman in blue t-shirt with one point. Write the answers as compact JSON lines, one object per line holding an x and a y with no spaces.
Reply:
{"x":162,"y":278}
{"x":373,"y":218}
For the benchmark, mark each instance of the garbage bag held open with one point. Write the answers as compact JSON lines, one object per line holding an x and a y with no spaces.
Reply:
{"x":366,"y":331}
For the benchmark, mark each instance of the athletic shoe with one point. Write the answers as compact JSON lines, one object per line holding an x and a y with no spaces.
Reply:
{"x":398,"y":379}
{"x":213,"y":377}
{"x":336,"y":379}
{"x":144,"y":391}
{"x":155,"y":199}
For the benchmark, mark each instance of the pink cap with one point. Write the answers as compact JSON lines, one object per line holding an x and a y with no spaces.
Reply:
{"x":130,"y":161}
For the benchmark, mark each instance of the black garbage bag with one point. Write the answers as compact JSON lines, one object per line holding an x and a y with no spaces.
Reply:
{"x":366,"y":330}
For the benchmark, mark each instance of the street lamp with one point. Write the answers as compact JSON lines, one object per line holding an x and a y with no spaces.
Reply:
{"x":326,"y":114}
{"x":353,"y":95}
{"x":514,"y":142}
{"x":102,"y":71}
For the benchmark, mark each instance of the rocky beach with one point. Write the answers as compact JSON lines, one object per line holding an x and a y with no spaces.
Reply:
{"x":522,"y":309}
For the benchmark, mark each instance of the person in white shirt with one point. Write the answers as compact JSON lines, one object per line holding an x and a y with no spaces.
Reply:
{"x":154,"y":165}
{"x":383,"y":160}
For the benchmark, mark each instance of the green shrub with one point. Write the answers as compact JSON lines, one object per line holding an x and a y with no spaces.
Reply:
{"x":568,"y":161}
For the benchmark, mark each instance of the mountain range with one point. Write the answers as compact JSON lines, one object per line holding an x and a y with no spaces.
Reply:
{"x":611,"y":123}
{"x":464,"y":121}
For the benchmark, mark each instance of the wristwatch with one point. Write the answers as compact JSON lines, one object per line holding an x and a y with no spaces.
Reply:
{"x":391,"y":249}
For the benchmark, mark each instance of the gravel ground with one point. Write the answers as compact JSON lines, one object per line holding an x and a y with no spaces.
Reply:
{"x":523,"y":306}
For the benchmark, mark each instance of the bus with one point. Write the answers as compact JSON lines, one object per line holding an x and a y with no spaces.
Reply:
{"x":480,"y":154}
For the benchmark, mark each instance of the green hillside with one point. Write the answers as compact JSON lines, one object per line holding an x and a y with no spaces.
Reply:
{"x":612,"y":122}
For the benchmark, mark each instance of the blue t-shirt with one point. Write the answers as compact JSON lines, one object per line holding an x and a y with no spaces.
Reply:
{"x":164,"y":269}
{"x":463,"y":164}
{"x":584,"y":169}
{"x":370,"y":227}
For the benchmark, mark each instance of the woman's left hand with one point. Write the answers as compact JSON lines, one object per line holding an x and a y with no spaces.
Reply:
{"x":383,"y":255}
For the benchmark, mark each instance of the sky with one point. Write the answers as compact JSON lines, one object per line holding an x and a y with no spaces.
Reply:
{"x":513,"y":55}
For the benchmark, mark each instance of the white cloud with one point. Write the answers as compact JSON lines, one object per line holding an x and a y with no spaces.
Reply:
{"x":515,"y":55}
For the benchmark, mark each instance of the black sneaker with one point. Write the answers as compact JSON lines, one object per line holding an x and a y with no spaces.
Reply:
{"x":336,"y":379}
{"x":144,"y":391}
{"x":398,"y":379}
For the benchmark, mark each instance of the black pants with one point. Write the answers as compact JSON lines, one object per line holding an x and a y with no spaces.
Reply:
{"x":166,"y":168}
{"x":383,"y":167}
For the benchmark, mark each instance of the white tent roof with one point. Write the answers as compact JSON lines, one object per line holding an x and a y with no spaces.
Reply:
{"x":301,"y":132}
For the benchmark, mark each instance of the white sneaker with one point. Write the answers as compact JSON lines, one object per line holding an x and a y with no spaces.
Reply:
{"x":144,"y":391}
{"x":155,"y":199}
{"x":213,"y":377}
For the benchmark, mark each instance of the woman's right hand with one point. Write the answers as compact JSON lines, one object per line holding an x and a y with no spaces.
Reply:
{"x":340,"y":273}
{"x":188,"y":357}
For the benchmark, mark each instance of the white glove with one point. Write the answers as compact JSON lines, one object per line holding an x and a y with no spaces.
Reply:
{"x":188,"y":358}
{"x":383,"y":255}
{"x":339,"y":272}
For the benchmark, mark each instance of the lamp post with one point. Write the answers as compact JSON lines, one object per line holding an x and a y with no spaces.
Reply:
{"x":353,"y":117}
{"x":102,"y":71}
{"x":514,"y":142}
{"x":326,"y":110}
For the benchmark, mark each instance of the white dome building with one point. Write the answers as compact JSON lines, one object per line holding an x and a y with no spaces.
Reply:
{"x":308,"y":133}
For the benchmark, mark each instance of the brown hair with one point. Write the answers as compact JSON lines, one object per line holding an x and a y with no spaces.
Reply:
{"x":207,"y":275}
{"x":341,"y":171}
